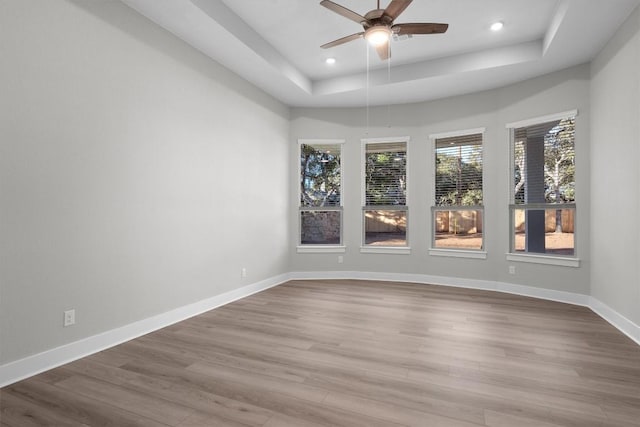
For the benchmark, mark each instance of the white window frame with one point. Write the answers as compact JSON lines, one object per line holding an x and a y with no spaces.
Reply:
{"x":315,"y":249}
{"x":557,"y":260}
{"x":370,"y":249}
{"x":456,"y":253}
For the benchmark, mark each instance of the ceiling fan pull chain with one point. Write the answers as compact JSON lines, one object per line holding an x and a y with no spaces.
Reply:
{"x":367,"y":90}
{"x":389,"y":88}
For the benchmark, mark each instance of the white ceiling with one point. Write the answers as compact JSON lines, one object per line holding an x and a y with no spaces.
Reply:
{"x":275,"y":44}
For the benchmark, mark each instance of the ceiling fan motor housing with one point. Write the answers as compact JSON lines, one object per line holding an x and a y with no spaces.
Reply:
{"x":376,"y":17}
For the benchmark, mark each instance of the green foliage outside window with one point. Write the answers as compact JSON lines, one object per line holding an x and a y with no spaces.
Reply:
{"x":559,"y":164}
{"x":319,"y":175}
{"x":386,"y":178}
{"x":458,"y":175}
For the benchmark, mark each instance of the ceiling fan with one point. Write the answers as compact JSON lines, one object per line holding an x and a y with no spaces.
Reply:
{"x":379,"y":27}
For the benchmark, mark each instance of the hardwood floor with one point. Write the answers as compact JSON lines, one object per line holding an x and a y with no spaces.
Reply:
{"x":352,"y":353}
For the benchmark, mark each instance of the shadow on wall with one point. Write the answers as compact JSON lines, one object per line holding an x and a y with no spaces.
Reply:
{"x":622,"y":38}
{"x":404,"y":115}
{"x":124,"y":18}
{"x":515,"y":93}
{"x":446,"y":109}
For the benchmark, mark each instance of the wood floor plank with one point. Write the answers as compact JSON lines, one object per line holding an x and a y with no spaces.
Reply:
{"x":391,"y":412}
{"x":145,"y":405}
{"x":280,"y":420}
{"x":199,"y":420}
{"x":23,"y":413}
{"x":201,"y":401}
{"x":352,"y":353}
{"x":75,"y":407}
{"x":498,"y":419}
{"x":290,"y":400}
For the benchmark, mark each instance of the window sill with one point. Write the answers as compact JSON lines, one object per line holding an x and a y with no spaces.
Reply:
{"x":321,"y":249}
{"x":545,"y":259}
{"x":457,"y":253}
{"x":404,"y":250}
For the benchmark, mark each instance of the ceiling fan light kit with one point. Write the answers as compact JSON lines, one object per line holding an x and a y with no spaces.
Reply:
{"x":379,"y":27}
{"x":377,"y":35}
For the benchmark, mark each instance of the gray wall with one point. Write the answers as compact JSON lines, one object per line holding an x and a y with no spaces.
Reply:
{"x":554,"y":93}
{"x":136,"y":175}
{"x":615,"y":182}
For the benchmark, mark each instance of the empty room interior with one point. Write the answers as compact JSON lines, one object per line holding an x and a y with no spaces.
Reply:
{"x":320,"y":213}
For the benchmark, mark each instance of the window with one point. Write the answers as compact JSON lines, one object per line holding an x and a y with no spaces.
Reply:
{"x":542,"y":213}
{"x":457,"y":211}
{"x":385,"y":193}
{"x":320,"y":193}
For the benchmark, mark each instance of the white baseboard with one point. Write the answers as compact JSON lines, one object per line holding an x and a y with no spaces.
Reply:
{"x":32,"y":365}
{"x":530,"y":291}
{"x":617,"y":320}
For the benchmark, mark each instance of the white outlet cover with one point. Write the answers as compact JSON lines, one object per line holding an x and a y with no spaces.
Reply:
{"x":69,"y":318}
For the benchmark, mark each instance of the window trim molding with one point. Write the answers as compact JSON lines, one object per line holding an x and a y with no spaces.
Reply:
{"x":386,"y":139}
{"x":454,"y":133}
{"x":321,"y":249}
{"x":381,"y":249}
{"x":544,"y":259}
{"x":300,"y":248}
{"x":541,"y":119}
{"x":459,"y":253}
{"x":311,"y":141}
{"x":390,"y":250}
{"x":456,"y":253}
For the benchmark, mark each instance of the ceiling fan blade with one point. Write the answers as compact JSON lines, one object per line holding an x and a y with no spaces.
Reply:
{"x":383,"y":51}
{"x":419,"y":28}
{"x":343,"y":11}
{"x":395,"y":8}
{"x":342,"y":40}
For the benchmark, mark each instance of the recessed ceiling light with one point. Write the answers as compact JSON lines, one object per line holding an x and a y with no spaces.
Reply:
{"x":330,"y":61}
{"x":497,"y":26}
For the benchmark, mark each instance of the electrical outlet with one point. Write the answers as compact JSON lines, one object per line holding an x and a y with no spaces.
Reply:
{"x":340,"y":259}
{"x":69,"y":318}
{"x":243,"y":272}
{"x":512,"y":269}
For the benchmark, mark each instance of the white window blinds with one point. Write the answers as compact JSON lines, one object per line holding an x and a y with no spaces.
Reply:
{"x":386,"y":174}
{"x":458,"y":179}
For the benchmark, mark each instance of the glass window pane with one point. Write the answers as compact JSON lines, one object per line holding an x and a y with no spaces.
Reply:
{"x":386,"y":174}
{"x":458,"y":229}
{"x":544,"y":163}
{"x":320,"y":227}
{"x":320,"y":175}
{"x":385,"y":227}
{"x":459,"y":171}
{"x":544,"y":231}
